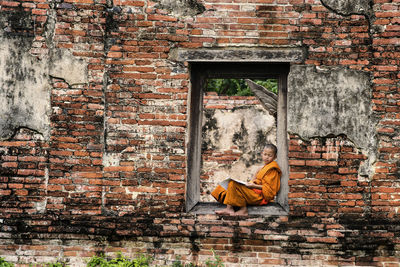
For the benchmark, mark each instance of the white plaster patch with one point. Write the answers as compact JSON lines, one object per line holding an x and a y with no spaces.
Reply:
{"x":230,"y":122}
{"x":25,"y":90}
{"x":41,"y":206}
{"x":323,"y":101}
{"x":111,"y":159}
{"x":68,"y":67}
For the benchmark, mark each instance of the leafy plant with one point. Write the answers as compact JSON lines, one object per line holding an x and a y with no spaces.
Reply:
{"x":97,"y":261}
{"x":51,"y":264}
{"x":270,"y":84}
{"x":56,"y":264}
{"x":178,"y":263}
{"x":142,"y":261}
{"x":216,"y":262}
{"x":119,"y":261}
{"x":4,"y":263}
{"x":122,"y":261}
{"x":238,"y":87}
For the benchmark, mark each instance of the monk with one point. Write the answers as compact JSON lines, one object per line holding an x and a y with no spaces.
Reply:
{"x":260,"y":191}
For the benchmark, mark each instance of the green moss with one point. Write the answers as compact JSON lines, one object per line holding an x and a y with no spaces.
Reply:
{"x":4,"y":263}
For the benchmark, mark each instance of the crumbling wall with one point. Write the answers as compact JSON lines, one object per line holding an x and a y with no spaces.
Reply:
{"x":25,"y":88}
{"x":26,"y":79}
{"x":94,"y":126}
{"x":25,"y":98}
{"x":334,"y":101}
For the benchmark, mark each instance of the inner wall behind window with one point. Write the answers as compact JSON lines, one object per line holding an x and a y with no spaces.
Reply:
{"x":235,"y":128}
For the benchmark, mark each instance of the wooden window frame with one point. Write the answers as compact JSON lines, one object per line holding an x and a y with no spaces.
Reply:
{"x":199,"y":73}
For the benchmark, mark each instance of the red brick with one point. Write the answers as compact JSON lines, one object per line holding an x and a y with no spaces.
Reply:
{"x":321,"y":163}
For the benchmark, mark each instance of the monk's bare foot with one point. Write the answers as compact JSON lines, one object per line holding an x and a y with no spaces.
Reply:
{"x":242,"y":212}
{"x":227,"y":211}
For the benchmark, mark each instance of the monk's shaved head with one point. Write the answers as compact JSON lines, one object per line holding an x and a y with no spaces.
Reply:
{"x":272,"y":147}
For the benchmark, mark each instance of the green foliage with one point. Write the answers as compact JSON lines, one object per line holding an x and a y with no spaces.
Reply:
{"x":142,"y":261}
{"x":270,"y":84}
{"x":52,"y":264}
{"x":4,"y":263}
{"x":238,"y":87}
{"x":178,"y":263}
{"x":119,"y":261}
{"x":122,"y":261}
{"x":56,"y":264}
{"x":216,"y":262}
{"x":99,"y":261}
{"x":228,"y":87}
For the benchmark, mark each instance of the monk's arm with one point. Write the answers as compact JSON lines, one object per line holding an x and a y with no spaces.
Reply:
{"x":252,"y":185}
{"x":271,"y":184}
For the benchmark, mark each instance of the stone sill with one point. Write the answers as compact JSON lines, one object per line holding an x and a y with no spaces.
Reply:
{"x":267,"y":210}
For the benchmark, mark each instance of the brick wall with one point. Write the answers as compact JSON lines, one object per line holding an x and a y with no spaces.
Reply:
{"x":111,"y":176}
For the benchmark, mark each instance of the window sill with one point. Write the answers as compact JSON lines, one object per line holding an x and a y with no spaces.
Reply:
{"x":267,"y":210}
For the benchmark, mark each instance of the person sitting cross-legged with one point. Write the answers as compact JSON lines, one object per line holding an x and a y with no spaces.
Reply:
{"x":260,"y":191}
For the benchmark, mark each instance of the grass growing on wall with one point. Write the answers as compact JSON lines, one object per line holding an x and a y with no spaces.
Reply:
{"x":122,"y":261}
{"x":119,"y":261}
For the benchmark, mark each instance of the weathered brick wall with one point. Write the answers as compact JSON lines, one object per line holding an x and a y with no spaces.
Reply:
{"x":110,"y":175}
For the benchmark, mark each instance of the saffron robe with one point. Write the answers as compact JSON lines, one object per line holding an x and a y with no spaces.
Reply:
{"x":239,"y":195}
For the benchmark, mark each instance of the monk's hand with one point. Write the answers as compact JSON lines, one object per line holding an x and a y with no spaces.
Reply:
{"x":252,"y":185}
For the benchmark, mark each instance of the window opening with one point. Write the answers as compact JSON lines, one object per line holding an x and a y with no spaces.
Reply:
{"x":235,"y":128}
{"x":240,"y":80}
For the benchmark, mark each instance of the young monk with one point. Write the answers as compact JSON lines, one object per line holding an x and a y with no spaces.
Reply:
{"x":260,"y":191}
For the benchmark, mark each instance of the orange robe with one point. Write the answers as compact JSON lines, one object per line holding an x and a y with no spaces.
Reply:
{"x":238,"y":195}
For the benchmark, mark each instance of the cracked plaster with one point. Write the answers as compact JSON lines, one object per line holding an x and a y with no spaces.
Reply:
{"x":25,"y":81}
{"x":349,"y":7}
{"x":181,"y":7}
{"x":332,"y":101}
{"x":25,"y":89}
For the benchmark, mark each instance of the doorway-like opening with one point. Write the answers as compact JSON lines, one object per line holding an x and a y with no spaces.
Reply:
{"x":201,"y":75}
